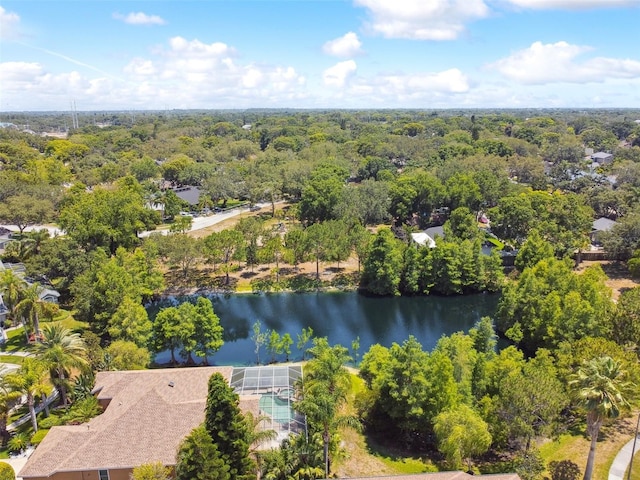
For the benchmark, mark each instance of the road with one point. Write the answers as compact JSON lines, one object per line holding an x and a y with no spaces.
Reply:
{"x":198,"y":222}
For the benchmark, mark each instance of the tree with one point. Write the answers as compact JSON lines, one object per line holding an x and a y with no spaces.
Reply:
{"x":31,"y":379}
{"x":626,"y":320}
{"x":25,"y":210}
{"x":8,"y":397}
{"x":99,"y":291}
{"x":321,"y":194}
{"x":529,"y":403}
{"x":181,"y":224}
{"x":259,"y":338}
{"x":208,"y":331}
{"x":107,"y":218}
{"x":179,"y":250}
{"x":624,"y":237}
{"x":534,"y":249}
{"x":462,"y":224}
{"x":127,"y":355}
{"x":61,"y":350}
{"x":381,"y":273}
{"x":227,"y":427}
{"x":222,"y":247}
{"x":461,"y":434}
{"x":200,"y":459}
{"x":550,"y":303}
{"x":319,"y":243}
{"x":166,"y":331}
{"x":564,"y":470}
{"x":32,"y":306}
{"x":303,"y":339}
{"x":273,"y":344}
{"x":324,"y":392}
{"x":600,"y":387}
{"x":11,"y":288}
{"x":151,"y":471}
{"x":131,"y":322}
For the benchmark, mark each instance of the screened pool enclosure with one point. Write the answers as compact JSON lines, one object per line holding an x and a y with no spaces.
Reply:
{"x":271,"y":391}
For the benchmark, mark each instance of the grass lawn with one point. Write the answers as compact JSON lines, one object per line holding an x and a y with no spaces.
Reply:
{"x":366,"y":458}
{"x":575,"y":446}
{"x":635,"y":472}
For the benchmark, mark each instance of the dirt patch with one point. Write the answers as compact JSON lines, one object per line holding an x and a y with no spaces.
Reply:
{"x":618,"y":275}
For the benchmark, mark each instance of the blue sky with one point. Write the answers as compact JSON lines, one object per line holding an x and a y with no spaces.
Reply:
{"x":137,"y":55}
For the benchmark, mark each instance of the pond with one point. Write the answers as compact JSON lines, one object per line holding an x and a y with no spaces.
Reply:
{"x":341,"y":317}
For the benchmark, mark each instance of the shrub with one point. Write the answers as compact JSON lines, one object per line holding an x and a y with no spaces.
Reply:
{"x":50,"y":421}
{"x":18,"y":443}
{"x":82,"y":411}
{"x":564,"y":470}
{"x":37,"y":437}
{"x":7,"y":472}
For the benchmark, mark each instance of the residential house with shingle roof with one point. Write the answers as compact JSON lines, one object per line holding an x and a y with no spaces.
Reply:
{"x":146,"y":415}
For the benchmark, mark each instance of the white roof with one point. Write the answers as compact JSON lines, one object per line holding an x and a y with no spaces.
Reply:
{"x":421,"y":238}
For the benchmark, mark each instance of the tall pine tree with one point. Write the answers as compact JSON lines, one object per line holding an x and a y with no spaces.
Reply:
{"x":227,"y":427}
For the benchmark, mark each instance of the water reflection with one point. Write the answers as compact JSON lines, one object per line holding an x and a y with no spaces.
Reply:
{"x":341,"y":317}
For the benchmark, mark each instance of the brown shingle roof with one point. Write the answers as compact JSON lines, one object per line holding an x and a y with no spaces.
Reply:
{"x":145,"y":421}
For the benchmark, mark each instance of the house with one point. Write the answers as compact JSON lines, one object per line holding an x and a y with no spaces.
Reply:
{"x":46,"y":294}
{"x":146,"y":415}
{"x":422,"y":239}
{"x":428,"y":236}
{"x":5,"y":237}
{"x":4,"y":311}
{"x":191,"y":195}
{"x":599,"y":226}
{"x":602,"y":158}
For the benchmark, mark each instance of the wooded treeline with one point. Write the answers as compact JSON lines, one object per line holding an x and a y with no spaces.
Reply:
{"x":355,"y":184}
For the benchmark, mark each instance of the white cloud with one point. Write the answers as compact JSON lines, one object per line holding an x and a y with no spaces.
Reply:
{"x":346,"y":46}
{"x":8,"y":24}
{"x":140,"y":18}
{"x":557,"y":62}
{"x":338,"y":75}
{"x":573,"y":4}
{"x":451,"y":81}
{"x":422,"y":19}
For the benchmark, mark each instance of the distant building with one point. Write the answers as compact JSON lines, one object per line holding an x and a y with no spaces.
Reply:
{"x":189,"y":194}
{"x":46,"y":294}
{"x":602,"y":158}
{"x":599,"y":226}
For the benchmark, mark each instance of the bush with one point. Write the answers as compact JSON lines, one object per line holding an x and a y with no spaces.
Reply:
{"x":7,"y":472}
{"x":82,"y":411}
{"x":50,"y":421}
{"x":37,"y":437}
{"x":564,"y":470}
{"x":18,"y":443}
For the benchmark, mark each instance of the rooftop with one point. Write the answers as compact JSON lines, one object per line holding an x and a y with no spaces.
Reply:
{"x":152,"y":410}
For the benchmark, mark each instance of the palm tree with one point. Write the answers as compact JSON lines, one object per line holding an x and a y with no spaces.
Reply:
{"x":31,"y":379}
{"x":32,"y":306}
{"x":61,"y":350}
{"x":257,"y":437}
{"x":324,"y":392}
{"x":601,"y":389}
{"x":8,"y":397}
{"x":11,"y":288}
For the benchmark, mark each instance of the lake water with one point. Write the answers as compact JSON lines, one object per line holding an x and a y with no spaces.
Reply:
{"x":341,"y":317}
